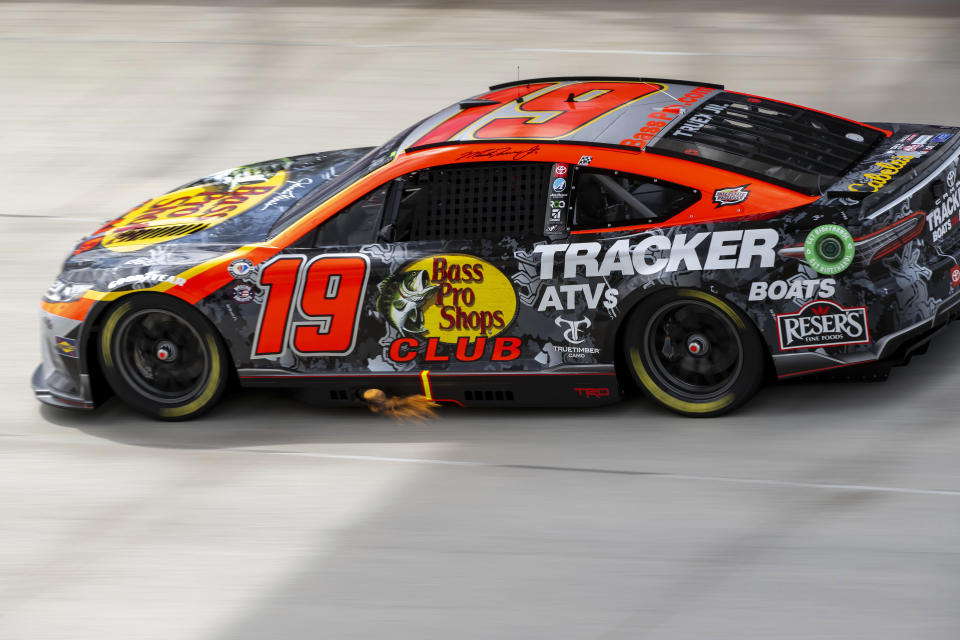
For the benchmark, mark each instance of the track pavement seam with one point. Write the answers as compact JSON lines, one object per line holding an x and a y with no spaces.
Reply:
{"x":625,"y":472}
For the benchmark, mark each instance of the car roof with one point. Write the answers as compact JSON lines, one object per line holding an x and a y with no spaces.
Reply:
{"x":595,"y":110}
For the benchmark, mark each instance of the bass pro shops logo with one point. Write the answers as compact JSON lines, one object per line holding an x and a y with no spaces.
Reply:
{"x":448,"y":297}
{"x":451,"y":299}
{"x":822,"y":323}
{"x":179,"y":214}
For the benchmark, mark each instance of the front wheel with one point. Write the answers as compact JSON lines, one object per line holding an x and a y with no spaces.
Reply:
{"x":162,"y":357}
{"x":693,"y":353}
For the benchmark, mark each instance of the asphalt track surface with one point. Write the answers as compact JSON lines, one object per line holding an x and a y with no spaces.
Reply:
{"x":821,"y":510}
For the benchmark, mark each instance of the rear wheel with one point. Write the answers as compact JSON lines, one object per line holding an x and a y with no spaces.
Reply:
{"x":693,"y":353}
{"x":162,"y":357}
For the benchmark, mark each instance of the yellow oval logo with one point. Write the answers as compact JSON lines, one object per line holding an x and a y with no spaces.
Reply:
{"x":469,"y":297}
{"x":185,"y":212}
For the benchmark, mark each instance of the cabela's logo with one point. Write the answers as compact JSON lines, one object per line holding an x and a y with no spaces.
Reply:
{"x":452,"y":299}
{"x":822,"y":323}
{"x":182,"y":213}
{"x":882,"y":173}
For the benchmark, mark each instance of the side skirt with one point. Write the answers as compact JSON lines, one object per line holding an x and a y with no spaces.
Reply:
{"x":571,"y":386}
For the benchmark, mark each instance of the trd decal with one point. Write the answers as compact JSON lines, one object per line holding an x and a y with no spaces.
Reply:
{"x":328,"y":292}
{"x":593,"y":392}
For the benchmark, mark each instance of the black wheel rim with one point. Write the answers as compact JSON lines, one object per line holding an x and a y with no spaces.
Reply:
{"x":693,"y":350}
{"x":161,"y":356}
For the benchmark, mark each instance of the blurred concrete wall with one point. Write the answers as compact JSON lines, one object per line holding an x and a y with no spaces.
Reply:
{"x":106,"y":104}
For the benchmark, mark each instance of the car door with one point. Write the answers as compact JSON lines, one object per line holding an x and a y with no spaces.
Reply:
{"x":450,"y":243}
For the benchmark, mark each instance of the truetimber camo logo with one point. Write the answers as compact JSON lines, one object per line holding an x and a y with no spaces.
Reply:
{"x":822,"y":323}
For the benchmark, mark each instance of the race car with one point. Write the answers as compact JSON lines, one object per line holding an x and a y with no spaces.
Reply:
{"x":555,"y":241}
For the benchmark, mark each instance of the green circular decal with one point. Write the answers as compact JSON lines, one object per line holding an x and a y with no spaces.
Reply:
{"x":829,"y":249}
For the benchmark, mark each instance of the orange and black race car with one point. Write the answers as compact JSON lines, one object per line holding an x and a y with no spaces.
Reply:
{"x":555,"y":242}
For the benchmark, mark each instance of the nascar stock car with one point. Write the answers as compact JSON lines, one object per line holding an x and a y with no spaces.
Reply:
{"x":557,"y":242}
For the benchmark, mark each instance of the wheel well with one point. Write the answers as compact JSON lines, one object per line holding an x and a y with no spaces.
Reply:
{"x":633,"y":305}
{"x":99,"y":387}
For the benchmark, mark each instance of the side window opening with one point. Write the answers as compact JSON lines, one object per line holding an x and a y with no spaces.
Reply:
{"x":356,"y":223}
{"x":482,"y":200}
{"x":603,"y":199}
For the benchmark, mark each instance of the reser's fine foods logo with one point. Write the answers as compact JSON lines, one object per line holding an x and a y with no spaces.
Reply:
{"x":822,"y":323}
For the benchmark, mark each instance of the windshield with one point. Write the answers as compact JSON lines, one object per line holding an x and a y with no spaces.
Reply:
{"x":372,"y":160}
{"x":801,"y":149}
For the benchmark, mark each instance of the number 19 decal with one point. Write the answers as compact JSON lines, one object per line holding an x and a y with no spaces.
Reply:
{"x":324,"y":294}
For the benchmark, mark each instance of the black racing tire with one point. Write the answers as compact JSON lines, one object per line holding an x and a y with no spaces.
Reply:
{"x":694,"y":353}
{"x":162,"y":357}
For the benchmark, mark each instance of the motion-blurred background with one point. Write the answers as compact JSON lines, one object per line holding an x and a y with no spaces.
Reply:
{"x":818,"y":511}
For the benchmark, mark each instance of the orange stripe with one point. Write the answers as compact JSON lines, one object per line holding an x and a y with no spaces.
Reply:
{"x":74,"y":310}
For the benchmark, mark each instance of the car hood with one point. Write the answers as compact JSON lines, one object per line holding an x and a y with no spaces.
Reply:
{"x":221,"y":211}
{"x":169,"y":234}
